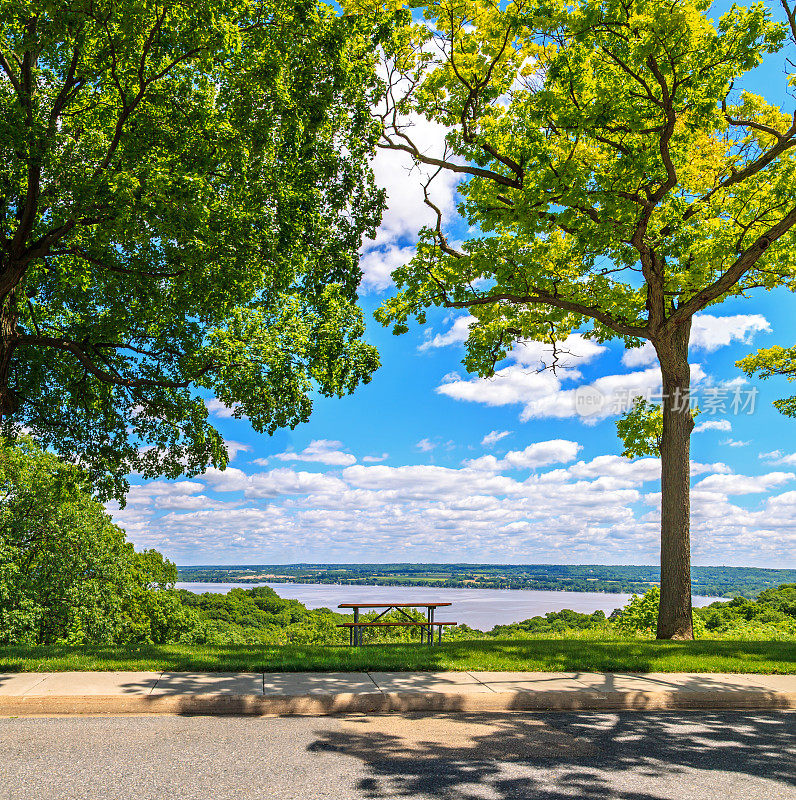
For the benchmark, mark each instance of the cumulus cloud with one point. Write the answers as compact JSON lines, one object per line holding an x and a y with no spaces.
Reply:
{"x":378,"y":264}
{"x":322,"y":451}
{"x":734,"y":443}
{"x":233,"y":448}
{"x":539,"y":454}
{"x":743,"y":484}
{"x":542,"y":394}
{"x":456,"y":334}
{"x":274,"y":483}
{"x":578,"y":511}
{"x":426,"y":445}
{"x":508,"y":386}
{"x":574,"y":351}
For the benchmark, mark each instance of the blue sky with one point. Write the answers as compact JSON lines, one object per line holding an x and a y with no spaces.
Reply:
{"x":427,"y":463}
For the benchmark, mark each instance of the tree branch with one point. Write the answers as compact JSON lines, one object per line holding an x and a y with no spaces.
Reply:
{"x":542,"y":297}
{"x":735,"y":272}
{"x":78,"y":351}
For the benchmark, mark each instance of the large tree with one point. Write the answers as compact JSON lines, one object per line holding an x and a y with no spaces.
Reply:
{"x":619,"y":181}
{"x":183,"y":191}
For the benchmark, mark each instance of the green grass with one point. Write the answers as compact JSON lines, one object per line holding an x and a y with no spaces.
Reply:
{"x":544,"y":655}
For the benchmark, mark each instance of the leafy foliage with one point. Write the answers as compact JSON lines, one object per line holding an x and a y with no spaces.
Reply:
{"x":641,"y":429}
{"x":260,"y":616}
{"x":184,"y":192}
{"x":770,"y":361}
{"x":553,"y":622}
{"x":771,"y":615}
{"x":608,"y":158}
{"x":640,"y":614}
{"x":67,"y":574}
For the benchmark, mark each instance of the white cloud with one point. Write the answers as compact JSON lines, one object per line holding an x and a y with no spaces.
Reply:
{"x":375,"y":459}
{"x":323,"y":451}
{"x":456,"y":334}
{"x":379,"y":263}
{"x":713,"y":425}
{"x":590,"y":511}
{"x":574,"y":351}
{"x":493,"y":437}
{"x":540,"y":392}
{"x":617,"y":391}
{"x":638,"y":471}
{"x":426,"y":445}
{"x":708,"y":333}
{"x":743,"y":484}
{"x":734,"y":443}
{"x":275,"y":482}
{"x":779,"y":457}
{"x":508,"y":386}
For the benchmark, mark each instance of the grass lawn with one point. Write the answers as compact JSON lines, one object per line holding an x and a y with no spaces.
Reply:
{"x":543,"y":655}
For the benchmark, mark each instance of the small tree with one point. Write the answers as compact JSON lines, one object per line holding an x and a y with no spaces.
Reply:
{"x":640,"y":615}
{"x":619,"y":182}
{"x":183,"y":192}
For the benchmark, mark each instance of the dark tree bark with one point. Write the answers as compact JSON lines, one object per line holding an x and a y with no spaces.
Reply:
{"x":9,"y":400}
{"x":674,"y":615}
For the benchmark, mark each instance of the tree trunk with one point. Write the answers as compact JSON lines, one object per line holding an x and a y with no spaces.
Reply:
{"x":674,"y":614}
{"x":9,"y":401}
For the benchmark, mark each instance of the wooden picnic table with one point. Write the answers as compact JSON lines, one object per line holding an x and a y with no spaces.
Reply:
{"x":426,"y":628}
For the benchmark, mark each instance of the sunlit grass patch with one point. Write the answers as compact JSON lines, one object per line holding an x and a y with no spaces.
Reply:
{"x":543,"y":655}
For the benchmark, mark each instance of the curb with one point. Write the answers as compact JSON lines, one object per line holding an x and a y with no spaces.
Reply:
{"x":394,"y":702}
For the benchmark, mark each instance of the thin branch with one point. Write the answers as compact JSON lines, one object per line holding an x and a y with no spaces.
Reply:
{"x":112,"y":377}
{"x":415,"y":152}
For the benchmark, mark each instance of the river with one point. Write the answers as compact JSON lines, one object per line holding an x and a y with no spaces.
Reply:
{"x":478,"y":608}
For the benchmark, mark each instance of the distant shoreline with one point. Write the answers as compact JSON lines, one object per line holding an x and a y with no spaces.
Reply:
{"x":593,"y":578}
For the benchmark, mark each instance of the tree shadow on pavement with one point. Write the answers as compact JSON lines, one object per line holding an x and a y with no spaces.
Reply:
{"x":621,"y":756}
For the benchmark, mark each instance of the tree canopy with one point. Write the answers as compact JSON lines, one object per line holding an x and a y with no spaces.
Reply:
{"x":183,"y":192}
{"x":618,"y":180}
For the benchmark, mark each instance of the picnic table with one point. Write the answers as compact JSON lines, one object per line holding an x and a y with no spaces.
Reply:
{"x":426,"y":626}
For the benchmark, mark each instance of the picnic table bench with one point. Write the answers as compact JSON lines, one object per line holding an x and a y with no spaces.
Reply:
{"x":426,"y":626}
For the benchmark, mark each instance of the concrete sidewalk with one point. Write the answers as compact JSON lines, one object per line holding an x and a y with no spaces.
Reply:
{"x":316,"y":693}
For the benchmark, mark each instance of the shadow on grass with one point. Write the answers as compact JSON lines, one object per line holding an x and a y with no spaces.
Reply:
{"x":622,"y":756}
{"x":531,"y":655}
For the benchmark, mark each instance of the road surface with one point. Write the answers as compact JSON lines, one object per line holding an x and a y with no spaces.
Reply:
{"x":564,"y":756}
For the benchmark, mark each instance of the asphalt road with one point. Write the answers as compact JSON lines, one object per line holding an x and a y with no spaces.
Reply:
{"x":626,"y":756}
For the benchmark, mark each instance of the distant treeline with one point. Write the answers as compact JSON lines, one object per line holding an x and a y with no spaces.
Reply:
{"x":708,"y":581}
